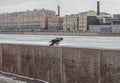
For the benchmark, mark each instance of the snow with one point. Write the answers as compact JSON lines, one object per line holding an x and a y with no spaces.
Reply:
{"x":79,"y":41}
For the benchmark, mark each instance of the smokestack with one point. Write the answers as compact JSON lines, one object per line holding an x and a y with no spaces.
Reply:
{"x":98,"y":8}
{"x":58,"y":10}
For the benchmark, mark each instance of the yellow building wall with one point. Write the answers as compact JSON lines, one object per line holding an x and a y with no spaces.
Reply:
{"x":91,"y":13}
{"x":83,"y":19}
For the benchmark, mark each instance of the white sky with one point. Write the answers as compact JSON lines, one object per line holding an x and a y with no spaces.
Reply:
{"x":67,"y":6}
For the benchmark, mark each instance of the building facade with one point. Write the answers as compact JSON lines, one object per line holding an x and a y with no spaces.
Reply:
{"x":104,"y":28}
{"x":55,"y":23}
{"x":105,"y":18}
{"x":8,"y":20}
{"x":116,"y":19}
{"x":27,"y":19}
{"x":70,"y":23}
{"x":83,"y":17}
{"x":116,"y":16}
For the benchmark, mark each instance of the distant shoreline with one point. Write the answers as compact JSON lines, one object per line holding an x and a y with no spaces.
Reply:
{"x":67,"y":33}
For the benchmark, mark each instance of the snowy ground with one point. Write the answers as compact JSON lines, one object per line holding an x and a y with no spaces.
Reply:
{"x":13,"y":78}
{"x":4,"y":79}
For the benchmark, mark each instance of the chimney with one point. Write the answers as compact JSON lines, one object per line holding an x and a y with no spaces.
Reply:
{"x":98,"y":8}
{"x":58,"y":10}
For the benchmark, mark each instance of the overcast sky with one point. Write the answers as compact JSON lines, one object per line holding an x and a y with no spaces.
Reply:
{"x":67,"y":6}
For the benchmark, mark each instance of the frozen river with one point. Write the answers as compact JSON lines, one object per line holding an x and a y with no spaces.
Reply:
{"x":80,"y":41}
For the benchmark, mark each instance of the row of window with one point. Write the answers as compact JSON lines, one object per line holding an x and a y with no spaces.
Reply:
{"x":20,"y":29}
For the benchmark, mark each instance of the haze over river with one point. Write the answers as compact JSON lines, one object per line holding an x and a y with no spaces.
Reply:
{"x":79,"y":41}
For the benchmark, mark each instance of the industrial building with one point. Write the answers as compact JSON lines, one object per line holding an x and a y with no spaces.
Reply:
{"x":104,"y":28}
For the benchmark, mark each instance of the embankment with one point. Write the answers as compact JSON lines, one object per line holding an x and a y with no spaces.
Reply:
{"x":61,"y":64}
{"x":67,"y":33}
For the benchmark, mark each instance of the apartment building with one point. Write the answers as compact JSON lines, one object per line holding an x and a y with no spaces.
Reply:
{"x":70,"y":23}
{"x":83,"y":17}
{"x":27,"y":19}
{"x":55,"y":23}
{"x":8,"y":20}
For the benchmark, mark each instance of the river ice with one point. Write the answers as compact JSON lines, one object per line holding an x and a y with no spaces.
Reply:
{"x":79,"y":41}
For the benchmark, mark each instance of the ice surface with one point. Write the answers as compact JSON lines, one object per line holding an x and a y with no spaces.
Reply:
{"x":80,"y":41}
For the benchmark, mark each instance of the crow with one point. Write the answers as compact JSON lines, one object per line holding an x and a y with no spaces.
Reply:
{"x":55,"y":41}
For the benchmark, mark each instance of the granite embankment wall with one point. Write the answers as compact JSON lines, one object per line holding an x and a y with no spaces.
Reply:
{"x":67,"y":33}
{"x":61,"y":64}
{"x":54,"y":33}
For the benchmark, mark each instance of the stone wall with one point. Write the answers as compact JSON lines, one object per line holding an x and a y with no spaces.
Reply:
{"x":110,"y":66}
{"x":61,"y":64}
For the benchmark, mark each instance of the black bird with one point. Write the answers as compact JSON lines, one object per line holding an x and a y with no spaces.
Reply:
{"x":55,"y":41}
